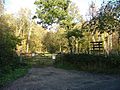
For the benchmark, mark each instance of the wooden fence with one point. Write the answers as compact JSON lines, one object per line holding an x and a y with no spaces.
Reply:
{"x":97,"y":48}
{"x":37,"y":59}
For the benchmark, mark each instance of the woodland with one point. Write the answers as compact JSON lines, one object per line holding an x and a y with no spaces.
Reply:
{"x":91,"y":44}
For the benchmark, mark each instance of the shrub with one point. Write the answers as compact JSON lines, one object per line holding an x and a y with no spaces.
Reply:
{"x":8,"y":42}
{"x":87,"y":62}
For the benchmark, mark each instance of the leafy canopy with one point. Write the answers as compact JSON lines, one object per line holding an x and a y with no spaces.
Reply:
{"x":107,"y":19}
{"x":52,"y":11}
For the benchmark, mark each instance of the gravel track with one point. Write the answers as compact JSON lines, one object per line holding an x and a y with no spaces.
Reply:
{"x":50,"y":78}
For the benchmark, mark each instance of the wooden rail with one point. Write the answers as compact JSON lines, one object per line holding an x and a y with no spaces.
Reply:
{"x":97,"y":47}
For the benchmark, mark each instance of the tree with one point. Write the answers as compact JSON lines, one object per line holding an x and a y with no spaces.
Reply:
{"x":106,"y":21}
{"x":73,"y":27}
{"x":1,"y":6}
{"x":8,"y":42}
{"x":62,"y":40}
{"x":61,"y":12}
{"x":23,"y":28}
{"x":56,"y":42}
{"x":50,"y":42}
{"x":52,"y":11}
{"x":74,"y":36}
{"x":37,"y":35}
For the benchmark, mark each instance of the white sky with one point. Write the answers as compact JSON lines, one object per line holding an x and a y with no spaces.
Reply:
{"x":13,"y":6}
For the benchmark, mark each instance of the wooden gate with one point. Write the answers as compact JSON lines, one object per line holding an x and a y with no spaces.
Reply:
{"x":97,"y":48}
{"x":38,"y":59}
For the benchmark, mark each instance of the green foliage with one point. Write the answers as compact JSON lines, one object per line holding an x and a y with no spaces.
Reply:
{"x":91,"y":63}
{"x":52,"y":11}
{"x":55,"y":42}
{"x":104,"y":25}
{"x":50,"y":42}
{"x":39,"y":60}
{"x":8,"y":42}
{"x":36,"y":38}
{"x":107,"y":19}
{"x":10,"y":67}
{"x":75,"y":32}
{"x":12,"y":75}
{"x":110,"y":15}
{"x":63,"y":13}
{"x":1,"y":8}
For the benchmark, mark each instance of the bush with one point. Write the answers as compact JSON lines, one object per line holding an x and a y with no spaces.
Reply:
{"x":8,"y":42}
{"x":12,"y":75}
{"x":87,"y":62}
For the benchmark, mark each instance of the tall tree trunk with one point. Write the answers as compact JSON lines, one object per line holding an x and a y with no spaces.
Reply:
{"x":106,"y":46}
{"x":76,"y":45}
{"x":20,"y":31}
{"x":110,"y":42}
{"x":118,"y":44}
{"x":60,"y":49}
{"x":99,"y":36}
{"x":70,"y":46}
{"x":28,"y":40}
{"x":93,"y":38}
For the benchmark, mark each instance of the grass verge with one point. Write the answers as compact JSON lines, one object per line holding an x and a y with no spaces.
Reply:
{"x":13,"y":75}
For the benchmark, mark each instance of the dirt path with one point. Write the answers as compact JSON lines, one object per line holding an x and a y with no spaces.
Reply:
{"x":50,"y":78}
